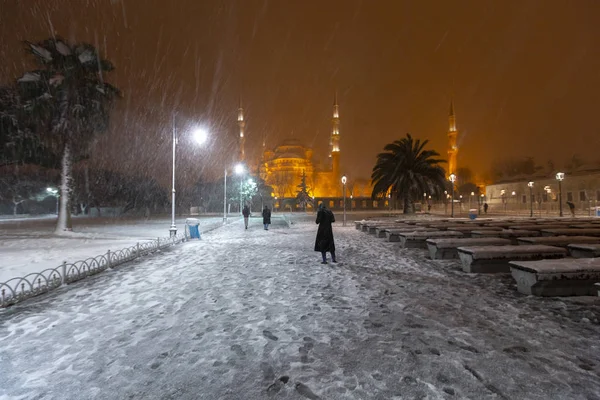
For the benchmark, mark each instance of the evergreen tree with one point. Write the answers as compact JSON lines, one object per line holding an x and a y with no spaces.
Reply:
{"x":303,"y":194}
{"x":70,"y":103}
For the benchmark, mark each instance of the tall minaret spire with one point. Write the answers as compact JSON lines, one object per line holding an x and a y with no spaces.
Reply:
{"x":241,"y":125}
{"x":335,"y":142}
{"x":452,"y":136}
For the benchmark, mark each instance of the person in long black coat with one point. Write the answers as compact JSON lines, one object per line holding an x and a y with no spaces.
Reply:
{"x":266,"y":218}
{"x":324,"y":242}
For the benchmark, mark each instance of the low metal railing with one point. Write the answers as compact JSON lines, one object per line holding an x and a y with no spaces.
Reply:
{"x":34,"y":284}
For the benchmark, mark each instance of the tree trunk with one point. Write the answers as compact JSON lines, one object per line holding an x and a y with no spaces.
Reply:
{"x":408,"y":205}
{"x":64,"y":213}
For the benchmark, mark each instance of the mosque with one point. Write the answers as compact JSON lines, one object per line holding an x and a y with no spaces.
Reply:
{"x":284,"y":166}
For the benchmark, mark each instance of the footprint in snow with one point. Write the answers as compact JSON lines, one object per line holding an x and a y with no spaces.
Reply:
{"x":269,"y":335}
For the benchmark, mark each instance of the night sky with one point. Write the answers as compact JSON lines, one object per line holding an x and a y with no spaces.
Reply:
{"x":524,"y":75}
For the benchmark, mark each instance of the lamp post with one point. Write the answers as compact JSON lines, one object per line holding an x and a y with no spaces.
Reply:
{"x":560,"y":176}
{"x":514,"y":195}
{"x":200,"y":137}
{"x":344,"y":179}
{"x":54,"y":193}
{"x":471,"y":200}
{"x":239,"y":170}
{"x":225,"y":197}
{"x":452,"y":179}
{"x":530,"y":184}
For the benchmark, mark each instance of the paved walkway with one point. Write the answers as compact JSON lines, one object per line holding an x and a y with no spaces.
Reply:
{"x":254,"y":315}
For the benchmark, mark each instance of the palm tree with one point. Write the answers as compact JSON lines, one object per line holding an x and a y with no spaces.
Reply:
{"x":70,"y":101}
{"x":407,"y":170}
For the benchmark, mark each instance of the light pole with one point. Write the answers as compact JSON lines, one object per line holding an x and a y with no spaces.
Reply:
{"x":514,"y":195}
{"x":530,"y":184}
{"x":481,"y":202}
{"x":239,"y":170}
{"x":54,"y":192}
{"x":471,"y":200}
{"x":559,"y":177}
{"x":200,"y":136}
{"x":452,"y":179}
{"x":225,"y":197}
{"x":344,"y":183}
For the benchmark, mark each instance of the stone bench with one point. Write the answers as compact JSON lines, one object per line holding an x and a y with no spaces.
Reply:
{"x":445,"y":249}
{"x":566,"y":277}
{"x":372,"y":229}
{"x":380,"y":231}
{"x":367,"y":225}
{"x":504,"y":234}
{"x":537,"y":227}
{"x":418,"y":239}
{"x":598,"y":286}
{"x":571,"y":232}
{"x":582,"y":250}
{"x":489,"y":259}
{"x":393,"y":234}
{"x":558,"y":241}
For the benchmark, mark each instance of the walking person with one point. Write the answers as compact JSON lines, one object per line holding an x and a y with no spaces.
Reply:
{"x":485,"y":207}
{"x":246,"y":214}
{"x":324,"y":242}
{"x":572,"y":208}
{"x":266,"y":217}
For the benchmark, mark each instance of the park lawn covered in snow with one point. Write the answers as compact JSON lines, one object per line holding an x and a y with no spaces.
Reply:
{"x":254,"y":315}
{"x":30,"y":245}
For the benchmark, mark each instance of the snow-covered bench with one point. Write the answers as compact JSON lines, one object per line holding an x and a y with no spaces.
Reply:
{"x":418,"y":239}
{"x":393,"y":234}
{"x":558,"y":241}
{"x":380,"y":231}
{"x":372,"y":229}
{"x":581,"y":250}
{"x":504,"y":234}
{"x":566,"y":277}
{"x":537,"y":227}
{"x":571,"y":232}
{"x":446,"y":248}
{"x":496,"y":258}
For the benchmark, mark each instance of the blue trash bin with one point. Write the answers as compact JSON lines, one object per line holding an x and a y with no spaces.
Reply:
{"x":472,"y":213}
{"x":192,"y":225}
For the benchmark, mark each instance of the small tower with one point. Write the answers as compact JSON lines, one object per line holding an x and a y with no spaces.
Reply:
{"x":335,"y":143}
{"x":452,"y":137}
{"x":241,"y":125}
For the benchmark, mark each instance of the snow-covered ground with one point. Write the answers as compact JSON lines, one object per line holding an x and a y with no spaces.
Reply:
{"x":254,"y":315}
{"x":29,"y":245}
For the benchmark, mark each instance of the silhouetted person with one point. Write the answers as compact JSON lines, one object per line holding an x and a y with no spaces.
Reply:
{"x":571,"y":207}
{"x":266,"y":217}
{"x":324,"y":242}
{"x":246,"y":214}
{"x":485,"y":207}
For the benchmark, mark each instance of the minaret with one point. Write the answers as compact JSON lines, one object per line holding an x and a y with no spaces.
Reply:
{"x":335,"y":143}
{"x":452,"y":136}
{"x":241,"y":125}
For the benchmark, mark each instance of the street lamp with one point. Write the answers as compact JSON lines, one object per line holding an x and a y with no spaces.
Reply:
{"x":344,"y":179}
{"x":54,"y":192}
{"x":239,"y":170}
{"x":530,"y":184}
{"x":471,"y":200}
{"x":560,"y":176}
{"x":452,"y":179}
{"x":200,"y":137}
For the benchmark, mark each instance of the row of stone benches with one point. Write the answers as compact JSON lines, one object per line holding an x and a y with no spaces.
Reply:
{"x":496,"y":253}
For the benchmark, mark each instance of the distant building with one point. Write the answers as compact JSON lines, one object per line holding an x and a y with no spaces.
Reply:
{"x":282,"y":168}
{"x":581,"y":186}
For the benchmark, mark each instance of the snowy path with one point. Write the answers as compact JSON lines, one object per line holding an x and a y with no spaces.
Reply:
{"x":253,"y":315}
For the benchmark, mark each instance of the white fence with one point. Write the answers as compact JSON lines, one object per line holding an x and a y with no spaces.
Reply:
{"x":34,"y":284}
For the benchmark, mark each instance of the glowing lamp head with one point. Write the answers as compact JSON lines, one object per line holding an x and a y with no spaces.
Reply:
{"x":239,"y":169}
{"x":514,"y":193}
{"x":472,"y":193}
{"x":200,"y":136}
{"x":530,"y":184}
{"x":344,"y":179}
{"x":560,"y":176}
{"x":452,"y":178}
